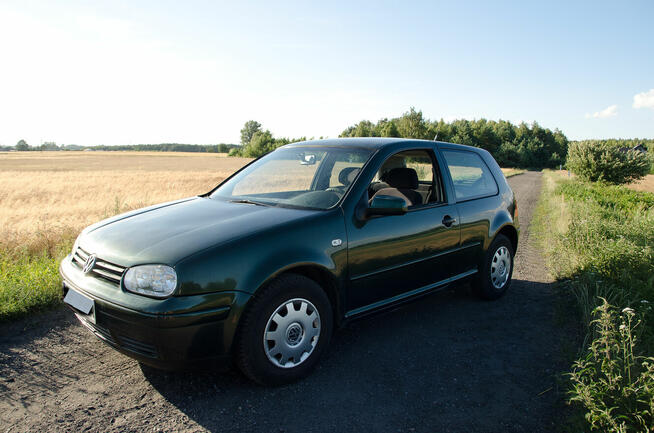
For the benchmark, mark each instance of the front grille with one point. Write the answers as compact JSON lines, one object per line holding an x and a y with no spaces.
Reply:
{"x":102,"y":269}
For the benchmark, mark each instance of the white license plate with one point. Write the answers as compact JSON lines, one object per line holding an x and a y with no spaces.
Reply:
{"x":81,"y":303}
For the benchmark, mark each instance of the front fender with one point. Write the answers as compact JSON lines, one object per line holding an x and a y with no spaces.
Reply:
{"x":246,"y":264}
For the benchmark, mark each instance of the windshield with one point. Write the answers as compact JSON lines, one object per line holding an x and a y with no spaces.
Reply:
{"x":306,"y":177}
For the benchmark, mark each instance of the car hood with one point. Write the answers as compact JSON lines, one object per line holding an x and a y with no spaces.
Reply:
{"x":170,"y":232}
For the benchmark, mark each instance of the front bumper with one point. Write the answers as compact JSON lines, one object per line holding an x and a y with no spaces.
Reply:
{"x":173,"y":333}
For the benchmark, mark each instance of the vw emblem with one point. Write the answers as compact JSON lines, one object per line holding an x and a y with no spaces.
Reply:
{"x":88,"y":265}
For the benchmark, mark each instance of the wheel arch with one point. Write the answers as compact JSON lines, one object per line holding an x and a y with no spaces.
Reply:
{"x":315,"y":272}
{"x":510,"y":232}
{"x":325,"y":279}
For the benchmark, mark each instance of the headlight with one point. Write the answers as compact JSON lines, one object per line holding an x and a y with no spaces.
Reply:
{"x":152,"y":280}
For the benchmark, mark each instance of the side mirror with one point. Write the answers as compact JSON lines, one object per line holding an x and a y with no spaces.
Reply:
{"x":387,"y":205}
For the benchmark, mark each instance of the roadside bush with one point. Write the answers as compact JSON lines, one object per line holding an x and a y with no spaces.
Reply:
{"x":600,"y":161}
{"x":613,"y":384}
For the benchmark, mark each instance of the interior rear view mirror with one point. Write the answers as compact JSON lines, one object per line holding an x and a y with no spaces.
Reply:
{"x":308,"y":159}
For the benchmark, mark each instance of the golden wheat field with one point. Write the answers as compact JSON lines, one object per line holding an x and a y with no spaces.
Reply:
{"x":55,"y":194}
{"x":47,"y":196}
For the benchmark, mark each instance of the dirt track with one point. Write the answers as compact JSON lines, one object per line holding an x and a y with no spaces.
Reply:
{"x":448,"y":362}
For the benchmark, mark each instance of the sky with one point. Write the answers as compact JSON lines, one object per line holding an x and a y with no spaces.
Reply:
{"x":129,"y":72}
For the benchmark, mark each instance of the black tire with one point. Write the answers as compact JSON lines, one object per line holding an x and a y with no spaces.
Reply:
{"x":251,"y":352}
{"x":486,"y":284}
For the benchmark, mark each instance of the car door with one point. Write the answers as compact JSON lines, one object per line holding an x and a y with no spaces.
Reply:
{"x":394,"y":257}
{"x":477,"y":196}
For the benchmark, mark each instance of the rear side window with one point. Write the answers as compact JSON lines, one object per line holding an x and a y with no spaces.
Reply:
{"x":471,"y":176}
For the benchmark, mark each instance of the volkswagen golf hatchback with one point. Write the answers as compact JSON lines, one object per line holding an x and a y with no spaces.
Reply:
{"x":261,"y":269}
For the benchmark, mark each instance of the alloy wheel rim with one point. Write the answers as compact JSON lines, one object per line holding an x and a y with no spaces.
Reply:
{"x":292,"y":333}
{"x":500,"y":267}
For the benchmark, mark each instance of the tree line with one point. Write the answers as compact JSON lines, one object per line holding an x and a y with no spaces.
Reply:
{"x":522,"y":145}
{"x":22,"y":145}
{"x":525,"y":146}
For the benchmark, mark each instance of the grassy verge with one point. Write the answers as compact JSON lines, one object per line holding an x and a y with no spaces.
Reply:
{"x":29,"y":277}
{"x":599,"y":243}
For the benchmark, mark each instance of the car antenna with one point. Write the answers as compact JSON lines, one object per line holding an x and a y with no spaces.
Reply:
{"x":436,"y":137}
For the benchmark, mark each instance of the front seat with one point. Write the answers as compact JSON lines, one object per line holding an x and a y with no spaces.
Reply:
{"x":403,"y":183}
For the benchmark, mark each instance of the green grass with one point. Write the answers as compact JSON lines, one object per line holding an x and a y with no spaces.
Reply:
{"x":609,"y":197}
{"x":599,"y":243}
{"x":29,"y":282}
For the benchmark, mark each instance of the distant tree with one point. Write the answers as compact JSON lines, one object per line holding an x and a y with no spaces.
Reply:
{"x":261,"y":143}
{"x":389,"y":129}
{"x":347,"y":132}
{"x":250,"y":128}
{"x":22,"y":145}
{"x":412,"y":125}
{"x":365,"y":128}
{"x":49,"y":145}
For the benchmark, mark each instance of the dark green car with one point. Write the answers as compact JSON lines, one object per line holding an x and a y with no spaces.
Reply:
{"x":263,"y":268}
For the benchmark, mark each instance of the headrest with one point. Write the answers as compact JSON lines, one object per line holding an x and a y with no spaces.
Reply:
{"x":402,"y":178}
{"x":347,"y":175}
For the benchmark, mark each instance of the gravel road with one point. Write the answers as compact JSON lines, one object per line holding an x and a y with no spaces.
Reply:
{"x":447,"y":363}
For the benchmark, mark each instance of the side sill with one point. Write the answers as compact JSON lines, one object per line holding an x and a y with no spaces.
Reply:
{"x":403,"y":296}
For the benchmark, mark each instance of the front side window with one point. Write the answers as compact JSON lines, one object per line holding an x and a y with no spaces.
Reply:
{"x":470,"y":174}
{"x":410,"y":175}
{"x":304,"y":177}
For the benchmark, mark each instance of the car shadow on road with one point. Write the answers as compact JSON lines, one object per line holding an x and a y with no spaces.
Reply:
{"x":447,"y":361}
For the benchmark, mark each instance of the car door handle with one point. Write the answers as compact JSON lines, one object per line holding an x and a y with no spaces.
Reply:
{"x":448,"y":220}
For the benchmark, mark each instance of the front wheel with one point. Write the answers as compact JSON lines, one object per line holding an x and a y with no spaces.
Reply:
{"x":496,"y":270}
{"x":284,"y":331}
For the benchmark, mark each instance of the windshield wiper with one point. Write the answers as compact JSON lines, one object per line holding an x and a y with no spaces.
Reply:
{"x":258,"y":203}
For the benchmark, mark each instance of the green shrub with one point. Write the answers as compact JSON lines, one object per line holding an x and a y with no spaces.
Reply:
{"x":614,"y":385}
{"x":260,"y":142}
{"x":236,"y":151}
{"x":600,"y":161}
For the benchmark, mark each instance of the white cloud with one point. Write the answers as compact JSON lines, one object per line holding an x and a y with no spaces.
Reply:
{"x":644,"y":100}
{"x":610,"y":111}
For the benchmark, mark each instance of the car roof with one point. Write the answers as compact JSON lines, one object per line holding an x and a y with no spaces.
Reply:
{"x":373,"y":143}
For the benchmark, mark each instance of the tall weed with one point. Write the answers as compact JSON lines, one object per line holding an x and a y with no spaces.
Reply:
{"x":613,"y":383}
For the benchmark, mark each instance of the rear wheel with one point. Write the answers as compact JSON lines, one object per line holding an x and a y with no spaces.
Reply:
{"x":496,"y":271}
{"x":284,"y":331}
